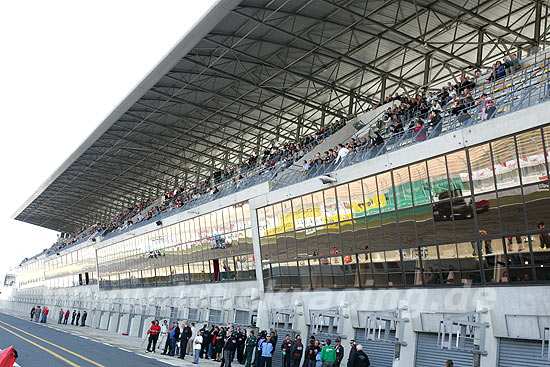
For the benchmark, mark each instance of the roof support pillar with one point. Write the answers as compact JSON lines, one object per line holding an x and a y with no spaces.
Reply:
{"x":538,"y":20}
{"x":383,"y":89}
{"x":323,"y":115}
{"x":479,"y":57}
{"x":427,"y":67}
{"x":351,"y":102}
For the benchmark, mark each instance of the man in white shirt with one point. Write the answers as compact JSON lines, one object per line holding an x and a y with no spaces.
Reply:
{"x":197,"y":345}
{"x":191,"y":345}
{"x":163,"y":333}
{"x":342,"y":153}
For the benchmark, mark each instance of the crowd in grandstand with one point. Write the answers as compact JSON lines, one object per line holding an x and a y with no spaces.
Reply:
{"x":420,"y":115}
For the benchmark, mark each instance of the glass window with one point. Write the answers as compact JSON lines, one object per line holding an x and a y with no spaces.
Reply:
{"x":519,"y":259}
{"x":373,"y":201}
{"x":469,"y":262}
{"x":315,"y":271}
{"x":412,"y":266}
{"x":291,"y":246}
{"x":319,"y":208}
{"x":379,"y":269}
{"x":278,"y":216}
{"x":326,"y":272}
{"x":460,"y":193}
{"x":344,"y":203}
{"x":402,"y":187}
{"x":482,"y":168}
{"x":512,"y":215}
{"x":322,"y":241}
{"x":419,"y":182}
{"x":305,"y":279}
{"x":270,"y":221}
{"x":331,"y":207}
{"x":505,"y":163}
{"x":537,"y":204}
{"x":393,"y":265}
{"x":347,"y":238}
{"x":309,"y":212}
{"x":301,"y":244}
{"x":449,"y":264}
{"x":439,"y":184}
{"x":339,"y":277}
{"x":357,"y":202}
{"x":350,"y":269}
{"x":424,"y":224}
{"x":298,"y":213}
{"x":407,"y":229}
{"x":430,"y":265}
{"x":287,"y":216}
{"x":384,"y":183}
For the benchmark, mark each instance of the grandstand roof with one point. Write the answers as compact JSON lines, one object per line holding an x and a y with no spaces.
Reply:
{"x":254,"y":71}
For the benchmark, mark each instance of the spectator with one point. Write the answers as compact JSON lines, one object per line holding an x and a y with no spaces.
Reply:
{"x":328,"y":355}
{"x":342,"y":153}
{"x":449,"y":363}
{"x":305,"y":167}
{"x":378,"y":140}
{"x":360,"y":358}
{"x":486,"y":105}
{"x":153,"y":333}
{"x":419,"y":131}
{"x":197,"y":346}
{"x":500,"y":71}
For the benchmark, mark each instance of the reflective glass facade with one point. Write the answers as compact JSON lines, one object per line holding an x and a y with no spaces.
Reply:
{"x":476,"y":216}
{"x":213,"y":247}
{"x":70,"y":269}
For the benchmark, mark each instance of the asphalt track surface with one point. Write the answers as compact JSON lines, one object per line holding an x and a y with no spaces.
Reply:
{"x":41,"y":346}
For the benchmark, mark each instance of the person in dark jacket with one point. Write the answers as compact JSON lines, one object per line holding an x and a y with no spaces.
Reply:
{"x":206,"y":341}
{"x":229,"y":348}
{"x":285,"y":350}
{"x":74,"y":316}
{"x":339,"y":348}
{"x":311,"y":353}
{"x":77,"y":318}
{"x":32,"y":313}
{"x":186,"y":334}
{"x":352,"y":352}
{"x":84,"y":317}
{"x":360,"y":358}
{"x":296,"y":351}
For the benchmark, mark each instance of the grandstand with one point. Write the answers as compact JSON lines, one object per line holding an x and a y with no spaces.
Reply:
{"x":368,"y":170}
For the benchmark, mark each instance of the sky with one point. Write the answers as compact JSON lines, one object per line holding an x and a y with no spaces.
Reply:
{"x":65,"y":65}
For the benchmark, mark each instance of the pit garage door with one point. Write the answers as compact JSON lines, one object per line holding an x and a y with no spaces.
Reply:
{"x":380,"y":354}
{"x":429,"y":354}
{"x":521,"y":353}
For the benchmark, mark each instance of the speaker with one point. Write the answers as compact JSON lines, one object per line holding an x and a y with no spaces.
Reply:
{"x":159,"y":223}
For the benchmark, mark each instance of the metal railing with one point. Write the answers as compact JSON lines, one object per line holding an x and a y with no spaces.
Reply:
{"x":533,"y":89}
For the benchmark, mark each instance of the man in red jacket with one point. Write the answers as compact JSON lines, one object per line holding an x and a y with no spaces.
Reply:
{"x":153,"y":332}
{"x":67,"y":313}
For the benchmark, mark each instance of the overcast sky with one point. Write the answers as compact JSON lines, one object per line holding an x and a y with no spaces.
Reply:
{"x":64,"y":66}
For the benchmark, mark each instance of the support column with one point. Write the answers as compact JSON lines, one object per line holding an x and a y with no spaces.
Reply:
{"x":538,"y":19}
{"x":351,"y":102}
{"x":383,"y":89}
{"x":427,"y":67}
{"x":479,"y":58}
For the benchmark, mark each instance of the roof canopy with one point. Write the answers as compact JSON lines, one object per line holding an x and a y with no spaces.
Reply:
{"x":254,"y":71}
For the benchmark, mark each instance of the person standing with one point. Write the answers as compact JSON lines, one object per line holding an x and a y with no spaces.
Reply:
{"x":60,"y":319}
{"x":328,"y":355}
{"x":45,"y":313}
{"x":360,"y":358}
{"x":197,"y":347}
{"x":163,"y":331}
{"x":74,"y":316}
{"x":241,"y":338}
{"x":285,"y":350}
{"x":228,"y":349}
{"x":37,"y":313}
{"x":167,"y":344}
{"x":84,"y":317}
{"x":339,"y":349}
{"x":32,"y":312}
{"x":67,"y":314}
{"x":191,"y":345}
{"x":266,"y":356}
{"x":77,"y":318}
{"x":352,"y":351}
{"x":296,"y":352}
{"x":153,"y":333}
{"x":206,"y":341}
{"x":186,"y":334}
{"x":449,"y":363}
{"x":174,"y":337}
{"x":312,"y":351}
{"x":250,"y":346}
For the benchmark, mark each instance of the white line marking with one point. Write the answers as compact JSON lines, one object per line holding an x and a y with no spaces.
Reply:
{"x":126,"y":350}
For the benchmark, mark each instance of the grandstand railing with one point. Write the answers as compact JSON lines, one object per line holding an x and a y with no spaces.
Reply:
{"x":522,"y":89}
